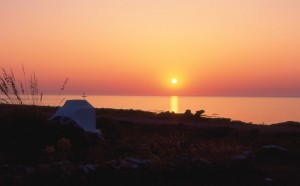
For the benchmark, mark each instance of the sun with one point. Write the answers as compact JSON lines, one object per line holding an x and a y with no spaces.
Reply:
{"x":174,"y":81}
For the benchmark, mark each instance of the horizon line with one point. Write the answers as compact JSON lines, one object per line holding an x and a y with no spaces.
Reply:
{"x":132,"y":95}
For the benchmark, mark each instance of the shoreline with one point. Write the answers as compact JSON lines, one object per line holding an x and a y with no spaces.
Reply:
{"x":166,"y":117}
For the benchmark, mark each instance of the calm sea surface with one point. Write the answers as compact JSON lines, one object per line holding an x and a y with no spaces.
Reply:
{"x":258,"y":110}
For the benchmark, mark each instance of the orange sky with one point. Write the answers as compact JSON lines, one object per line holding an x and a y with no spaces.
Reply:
{"x":135,"y":47}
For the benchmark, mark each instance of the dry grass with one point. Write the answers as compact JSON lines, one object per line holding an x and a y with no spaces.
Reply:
{"x":25,"y":91}
{"x":19,"y":92}
{"x":58,"y":100}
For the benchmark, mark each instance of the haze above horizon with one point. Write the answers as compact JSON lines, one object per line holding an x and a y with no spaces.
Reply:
{"x":136,"y":47}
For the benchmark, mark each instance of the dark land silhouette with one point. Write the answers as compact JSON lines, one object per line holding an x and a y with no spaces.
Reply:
{"x":145,"y":148}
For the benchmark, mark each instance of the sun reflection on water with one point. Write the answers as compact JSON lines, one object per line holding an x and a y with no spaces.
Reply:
{"x":174,"y":104}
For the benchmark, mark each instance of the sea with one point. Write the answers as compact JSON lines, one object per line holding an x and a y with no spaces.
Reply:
{"x":256,"y":110}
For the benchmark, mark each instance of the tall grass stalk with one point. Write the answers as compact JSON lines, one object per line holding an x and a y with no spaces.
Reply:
{"x":34,"y":90}
{"x":60,"y":92}
{"x":25,"y":91}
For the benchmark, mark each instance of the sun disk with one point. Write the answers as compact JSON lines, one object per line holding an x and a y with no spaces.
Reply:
{"x":174,"y":81}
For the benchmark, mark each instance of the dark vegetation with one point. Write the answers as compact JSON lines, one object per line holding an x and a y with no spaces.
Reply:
{"x":193,"y":151}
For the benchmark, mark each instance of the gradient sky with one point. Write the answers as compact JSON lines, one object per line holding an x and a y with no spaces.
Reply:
{"x":135,"y":47}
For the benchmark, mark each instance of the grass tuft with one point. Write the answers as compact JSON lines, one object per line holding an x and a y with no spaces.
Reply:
{"x":19,"y":95}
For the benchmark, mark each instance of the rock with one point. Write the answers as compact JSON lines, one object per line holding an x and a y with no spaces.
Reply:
{"x":188,"y":114}
{"x":275,"y":147}
{"x":88,"y":168}
{"x":269,"y":179}
{"x":275,"y":152}
{"x":137,"y":161}
{"x":199,"y":113}
{"x":245,"y":155}
{"x":96,"y":134}
{"x":134,"y":163}
{"x":127,"y":162}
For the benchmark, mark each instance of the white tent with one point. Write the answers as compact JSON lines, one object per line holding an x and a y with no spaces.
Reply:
{"x":79,"y":111}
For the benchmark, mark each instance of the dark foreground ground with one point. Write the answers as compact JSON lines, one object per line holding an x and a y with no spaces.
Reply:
{"x":144,"y":148}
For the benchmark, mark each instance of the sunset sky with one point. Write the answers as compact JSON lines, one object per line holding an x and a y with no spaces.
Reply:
{"x":135,"y":47}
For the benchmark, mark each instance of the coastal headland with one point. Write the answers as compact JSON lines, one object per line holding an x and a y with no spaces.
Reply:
{"x":145,"y":148}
